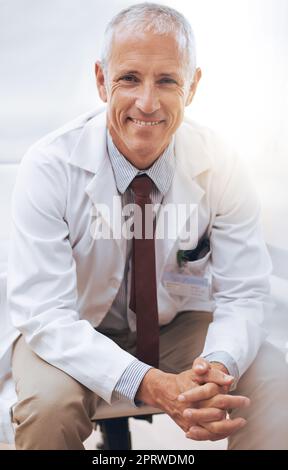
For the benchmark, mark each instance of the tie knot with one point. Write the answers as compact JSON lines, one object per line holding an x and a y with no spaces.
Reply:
{"x":142,"y":186}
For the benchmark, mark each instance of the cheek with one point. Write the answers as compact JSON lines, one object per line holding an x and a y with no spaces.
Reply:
{"x":173,"y":104}
{"x":121,"y":95}
{"x":115,"y":109}
{"x":120,"y":103}
{"x":177,"y":112}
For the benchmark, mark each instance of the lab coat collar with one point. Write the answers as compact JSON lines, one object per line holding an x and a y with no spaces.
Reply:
{"x":90,"y":152}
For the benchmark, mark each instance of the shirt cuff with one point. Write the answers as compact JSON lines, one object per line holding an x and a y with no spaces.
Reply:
{"x":224,"y":358}
{"x":129,"y":382}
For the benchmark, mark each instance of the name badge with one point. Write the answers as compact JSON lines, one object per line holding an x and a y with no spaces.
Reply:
{"x":187,"y":285}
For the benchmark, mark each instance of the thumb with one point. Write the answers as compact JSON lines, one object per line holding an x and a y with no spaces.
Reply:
{"x":200,"y":366}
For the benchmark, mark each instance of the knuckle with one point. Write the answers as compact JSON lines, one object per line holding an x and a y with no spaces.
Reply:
{"x":185,"y":427}
{"x":213,"y":428}
{"x":194,"y":434}
{"x":224,"y":414}
{"x":214,"y":388}
{"x":193,"y":421}
{"x":175,"y":415}
{"x":208,"y":390}
{"x":219,"y":414}
{"x":222,"y":401}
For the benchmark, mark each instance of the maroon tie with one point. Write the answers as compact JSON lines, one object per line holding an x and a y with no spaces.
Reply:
{"x":143,"y":299}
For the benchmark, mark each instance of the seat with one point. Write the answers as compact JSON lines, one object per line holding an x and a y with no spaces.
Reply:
{"x":113,"y":422}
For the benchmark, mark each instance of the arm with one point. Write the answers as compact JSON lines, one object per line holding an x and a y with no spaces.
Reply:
{"x":240,"y":272}
{"x":42,"y":286}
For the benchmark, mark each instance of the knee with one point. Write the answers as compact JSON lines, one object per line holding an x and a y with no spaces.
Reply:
{"x":269,"y":371}
{"x":51,"y":419}
{"x":50,"y":406}
{"x":270,"y":364}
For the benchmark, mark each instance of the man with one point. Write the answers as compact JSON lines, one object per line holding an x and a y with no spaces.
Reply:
{"x":86,"y":305}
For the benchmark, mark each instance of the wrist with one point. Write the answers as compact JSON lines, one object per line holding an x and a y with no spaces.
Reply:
{"x":149,"y":386}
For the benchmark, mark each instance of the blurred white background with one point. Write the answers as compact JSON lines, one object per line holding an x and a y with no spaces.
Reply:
{"x":47,"y":55}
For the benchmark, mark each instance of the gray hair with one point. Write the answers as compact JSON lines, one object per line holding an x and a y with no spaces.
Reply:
{"x":156,"y":18}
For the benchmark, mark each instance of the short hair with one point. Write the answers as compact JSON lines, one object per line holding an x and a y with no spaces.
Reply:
{"x":156,"y":18}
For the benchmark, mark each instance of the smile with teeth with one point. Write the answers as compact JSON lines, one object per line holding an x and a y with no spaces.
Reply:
{"x":145,"y":123}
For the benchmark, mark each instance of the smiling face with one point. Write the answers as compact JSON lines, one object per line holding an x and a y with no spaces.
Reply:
{"x":146,"y":94}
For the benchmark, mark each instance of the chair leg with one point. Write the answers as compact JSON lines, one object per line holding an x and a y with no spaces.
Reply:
{"x":115,"y":433}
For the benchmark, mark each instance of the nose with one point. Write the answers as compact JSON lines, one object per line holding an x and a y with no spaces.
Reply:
{"x":148,"y":101}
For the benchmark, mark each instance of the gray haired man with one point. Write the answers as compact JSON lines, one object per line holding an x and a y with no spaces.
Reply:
{"x":69,"y":294}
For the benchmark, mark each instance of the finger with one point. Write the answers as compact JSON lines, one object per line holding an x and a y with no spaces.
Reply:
{"x":204,"y":415}
{"x":202,"y":392}
{"x":225,"y":427}
{"x":225,"y":402}
{"x":197,"y":433}
{"x":218,"y":377}
{"x":200,"y":366}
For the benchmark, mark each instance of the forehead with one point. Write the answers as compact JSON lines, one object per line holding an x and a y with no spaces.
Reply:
{"x":145,"y":49}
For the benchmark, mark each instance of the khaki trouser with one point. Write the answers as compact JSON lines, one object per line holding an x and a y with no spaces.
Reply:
{"x":54,"y":411}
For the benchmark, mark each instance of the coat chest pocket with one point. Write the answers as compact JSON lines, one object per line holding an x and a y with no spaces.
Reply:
{"x":199,"y":267}
{"x":192,"y":280}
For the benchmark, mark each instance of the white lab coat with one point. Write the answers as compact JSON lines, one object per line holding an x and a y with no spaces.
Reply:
{"x":62,"y":282}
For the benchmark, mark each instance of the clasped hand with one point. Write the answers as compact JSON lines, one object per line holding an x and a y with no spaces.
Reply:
{"x":206,"y":403}
{"x":196,"y":399}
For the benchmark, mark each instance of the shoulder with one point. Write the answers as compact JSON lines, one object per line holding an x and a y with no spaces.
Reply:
{"x":44,"y":171}
{"x":211,"y":161}
{"x":202,"y":143}
{"x":56,"y":147}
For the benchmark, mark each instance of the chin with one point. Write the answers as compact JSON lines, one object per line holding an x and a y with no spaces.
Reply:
{"x":145,"y":145}
{"x":145,"y":154}
{"x":143,"y":161}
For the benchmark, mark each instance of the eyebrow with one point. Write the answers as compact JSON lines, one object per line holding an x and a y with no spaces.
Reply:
{"x":170,"y":74}
{"x":127,"y":72}
{"x":166,"y":74}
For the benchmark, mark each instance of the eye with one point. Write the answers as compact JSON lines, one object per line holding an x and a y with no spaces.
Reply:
{"x":129,"y":78}
{"x":168,"y":80}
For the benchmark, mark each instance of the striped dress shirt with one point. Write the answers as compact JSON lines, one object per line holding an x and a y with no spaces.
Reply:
{"x":120,"y":317}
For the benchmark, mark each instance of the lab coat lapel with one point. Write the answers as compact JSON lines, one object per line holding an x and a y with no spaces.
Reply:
{"x":191,"y":160}
{"x":91,"y":155}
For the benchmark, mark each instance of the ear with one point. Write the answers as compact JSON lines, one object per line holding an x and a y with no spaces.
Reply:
{"x":100,"y":81}
{"x":193,"y":86}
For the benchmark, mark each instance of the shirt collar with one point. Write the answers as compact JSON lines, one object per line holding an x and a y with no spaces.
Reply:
{"x":161,"y":172}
